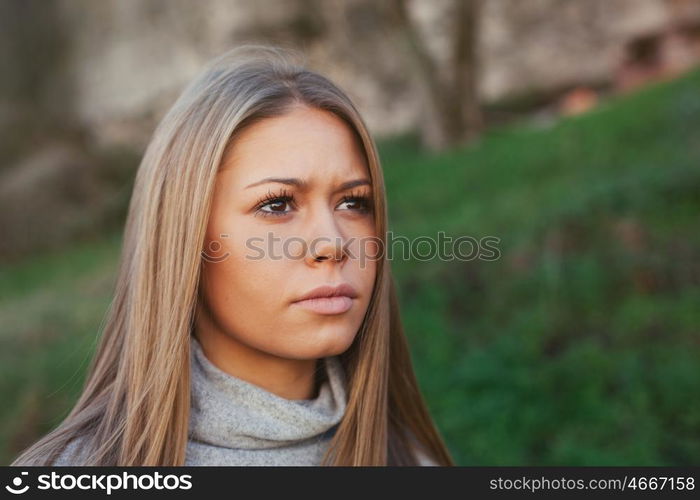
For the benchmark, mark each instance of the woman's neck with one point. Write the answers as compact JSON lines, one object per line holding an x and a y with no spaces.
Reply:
{"x":292,"y":379}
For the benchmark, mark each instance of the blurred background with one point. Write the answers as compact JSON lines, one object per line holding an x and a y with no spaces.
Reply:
{"x":569,"y":129}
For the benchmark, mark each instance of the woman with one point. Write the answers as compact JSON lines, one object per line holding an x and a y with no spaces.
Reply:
{"x":260,"y":188}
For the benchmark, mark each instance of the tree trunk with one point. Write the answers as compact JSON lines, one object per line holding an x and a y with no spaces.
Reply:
{"x":451,"y":113}
{"x":466,"y":70}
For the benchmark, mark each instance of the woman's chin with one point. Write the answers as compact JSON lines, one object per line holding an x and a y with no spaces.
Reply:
{"x":322,"y":343}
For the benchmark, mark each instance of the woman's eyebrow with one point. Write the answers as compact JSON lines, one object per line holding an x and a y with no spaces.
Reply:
{"x":293,"y":181}
{"x":303,"y":185}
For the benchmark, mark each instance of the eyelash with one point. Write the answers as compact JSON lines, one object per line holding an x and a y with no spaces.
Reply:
{"x":287,"y":197}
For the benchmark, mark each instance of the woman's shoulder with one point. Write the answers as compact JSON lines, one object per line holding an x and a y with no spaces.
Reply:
{"x":72,"y":454}
{"x":424,"y":459}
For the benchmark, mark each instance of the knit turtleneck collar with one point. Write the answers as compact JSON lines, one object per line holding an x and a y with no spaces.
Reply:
{"x":229,"y":412}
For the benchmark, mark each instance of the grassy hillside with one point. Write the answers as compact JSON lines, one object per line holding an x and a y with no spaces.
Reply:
{"x":51,"y":308}
{"x":579,"y":345}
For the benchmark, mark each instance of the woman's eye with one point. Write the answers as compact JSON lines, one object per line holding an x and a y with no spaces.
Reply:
{"x":359,"y":203}
{"x":275,"y":206}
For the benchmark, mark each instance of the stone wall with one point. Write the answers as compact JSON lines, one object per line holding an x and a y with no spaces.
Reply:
{"x":130,"y":58}
{"x":90,"y":79}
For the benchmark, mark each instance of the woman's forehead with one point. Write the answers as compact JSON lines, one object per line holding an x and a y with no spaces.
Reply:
{"x":304,"y":144}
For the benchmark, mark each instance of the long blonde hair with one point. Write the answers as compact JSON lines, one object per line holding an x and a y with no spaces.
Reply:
{"x":134,"y":407}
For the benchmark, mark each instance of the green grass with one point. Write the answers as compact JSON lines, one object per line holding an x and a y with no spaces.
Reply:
{"x":51,"y":308}
{"x":578,"y":346}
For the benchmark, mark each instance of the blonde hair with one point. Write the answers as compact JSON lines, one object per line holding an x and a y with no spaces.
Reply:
{"x":134,"y":407}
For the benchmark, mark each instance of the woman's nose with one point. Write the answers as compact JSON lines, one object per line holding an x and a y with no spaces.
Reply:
{"x":327,"y":242}
{"x":324,"y":249}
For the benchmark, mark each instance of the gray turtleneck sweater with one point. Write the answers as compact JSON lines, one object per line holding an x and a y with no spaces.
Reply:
{"x":234,"y":422}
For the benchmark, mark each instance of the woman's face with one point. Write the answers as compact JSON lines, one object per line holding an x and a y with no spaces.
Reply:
{"x":268,"y":242}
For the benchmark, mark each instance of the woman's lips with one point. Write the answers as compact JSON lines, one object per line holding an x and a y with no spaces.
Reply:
{"x":326,"y":305}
